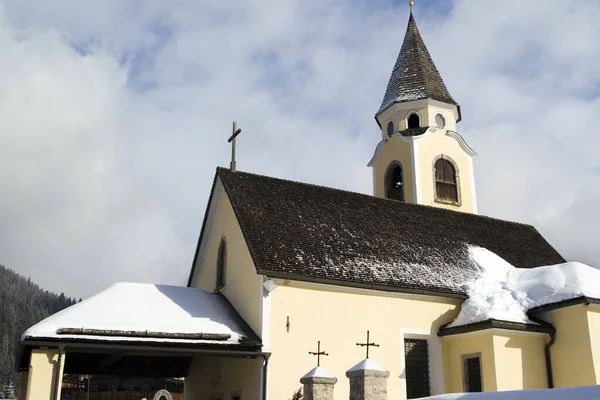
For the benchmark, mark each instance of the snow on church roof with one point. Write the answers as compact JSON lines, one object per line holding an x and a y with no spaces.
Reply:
{"x":137,"y":312}
{"x":307,"y":232}
{"x":503,"y":292}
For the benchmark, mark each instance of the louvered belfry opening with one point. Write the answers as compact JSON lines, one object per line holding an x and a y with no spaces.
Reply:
{"x":395,"y":183}
{"x":446,"y":187}
{"x":416,"y":356}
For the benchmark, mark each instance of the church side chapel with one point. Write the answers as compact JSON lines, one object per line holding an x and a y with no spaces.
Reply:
{"x":289,"y":276}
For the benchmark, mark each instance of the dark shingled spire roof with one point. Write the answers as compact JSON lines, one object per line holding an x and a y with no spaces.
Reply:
{"x":414,"y":76}
{"x":313,"y":233}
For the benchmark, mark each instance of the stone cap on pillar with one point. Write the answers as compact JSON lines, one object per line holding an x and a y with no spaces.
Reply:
{"x":367,"y":368}
{"x":318,"y":375}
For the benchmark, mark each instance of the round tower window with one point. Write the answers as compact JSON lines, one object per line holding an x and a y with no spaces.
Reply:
{"x":440,"y":121}
{"x":390,"y":128}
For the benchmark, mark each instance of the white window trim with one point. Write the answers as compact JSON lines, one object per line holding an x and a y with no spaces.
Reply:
{"x":436,"y":360}
{"x":386,"y":128}
{"x":443,"y":117}
{"x":408,"y":116}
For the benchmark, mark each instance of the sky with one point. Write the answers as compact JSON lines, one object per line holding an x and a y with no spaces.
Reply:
{"x":114,"y":115}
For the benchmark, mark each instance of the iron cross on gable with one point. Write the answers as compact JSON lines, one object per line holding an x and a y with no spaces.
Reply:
{"x":319,"y":353}
{"x":367,"y":344}
{"x":235,"y":131}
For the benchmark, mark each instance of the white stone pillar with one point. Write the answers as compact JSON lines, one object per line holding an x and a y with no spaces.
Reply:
{"x":318,"y":384}
{"x":368,"y":381}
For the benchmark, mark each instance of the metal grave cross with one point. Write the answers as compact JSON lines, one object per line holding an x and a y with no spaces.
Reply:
{"x":319,"y":353}
{"x":235,"y":131}
{"x":367,"y":344}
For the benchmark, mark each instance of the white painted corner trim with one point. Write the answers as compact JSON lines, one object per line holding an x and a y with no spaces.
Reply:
{"x":265,"y":311}
{"x":416,"y":170}
{"x":473,"y":190}
{"x":461,"y":141}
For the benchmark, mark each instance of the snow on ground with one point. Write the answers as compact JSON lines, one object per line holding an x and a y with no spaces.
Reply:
{"x":578,"y":393}
{"x":506,"y":293}
{"x":144,"y":307}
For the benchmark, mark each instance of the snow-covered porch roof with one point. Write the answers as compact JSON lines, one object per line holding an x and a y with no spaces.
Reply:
{"x":142,"y":321}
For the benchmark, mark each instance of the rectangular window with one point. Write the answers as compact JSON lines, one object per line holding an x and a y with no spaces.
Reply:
{"x":472,"y":374}
{"x":416,"y":357}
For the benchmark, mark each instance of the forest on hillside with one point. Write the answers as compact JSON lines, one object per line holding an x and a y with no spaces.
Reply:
{"x":22,"y":304}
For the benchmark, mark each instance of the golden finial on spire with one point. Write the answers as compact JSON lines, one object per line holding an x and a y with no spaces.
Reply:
{"x":411,"y":3}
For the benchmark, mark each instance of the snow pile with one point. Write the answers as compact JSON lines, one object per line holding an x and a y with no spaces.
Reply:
{"x":318,"y":372}
{"x":145,"y":307}
{"x":577,"y":393}
{"x":506,"y":293}
{"x":366,"y":364}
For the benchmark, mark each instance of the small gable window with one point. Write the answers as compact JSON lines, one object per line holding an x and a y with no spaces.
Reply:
{"x":414,"y":121}
{"x":221,"y":264}
{"x":446,"y":185}
{"x":394,"y":185}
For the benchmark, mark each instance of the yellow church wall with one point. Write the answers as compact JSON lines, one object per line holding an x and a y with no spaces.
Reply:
{"x":593,"y":317}
{"x":396,"y":149}
{"x":339,"y":318}
{"x":429,"y":148}
{"x":520,"y":361}
{"x":417,"y":155}
{"x":242,"y":284}
{"x":572,"y":362}
{"x":42,"y":374}
{"x":212,"y":378}
{"x":456,"y":347}
{"x":509,"y":360}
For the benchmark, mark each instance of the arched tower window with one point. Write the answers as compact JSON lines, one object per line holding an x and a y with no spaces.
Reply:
{"x":394,"y":182}
{"x":414,"y":121}
{"x":446,"y":185}
{"x":221,"y":264}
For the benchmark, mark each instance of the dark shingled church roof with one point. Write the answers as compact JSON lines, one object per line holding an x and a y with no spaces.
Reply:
{"x":414,"y":76}
{"x":307,"y":232}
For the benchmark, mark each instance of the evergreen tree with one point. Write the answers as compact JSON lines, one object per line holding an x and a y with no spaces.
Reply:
{"x":22,"y":304}
{"x":9,"y":390}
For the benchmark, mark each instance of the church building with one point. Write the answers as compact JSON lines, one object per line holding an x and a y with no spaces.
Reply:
{"x":294,"y":266}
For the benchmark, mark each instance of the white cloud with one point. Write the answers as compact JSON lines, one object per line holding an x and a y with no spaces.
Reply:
{"x":108,"y":153}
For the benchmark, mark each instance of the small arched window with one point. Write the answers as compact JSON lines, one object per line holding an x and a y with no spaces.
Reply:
{"x":390,"y":128}
{"x":394,"y":183}
{"x":221,"y":264}
{"x":446,"y":186}
{"x":414,"y":121}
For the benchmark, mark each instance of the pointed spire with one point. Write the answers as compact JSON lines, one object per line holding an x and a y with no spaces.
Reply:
{"x":414,"y":76}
